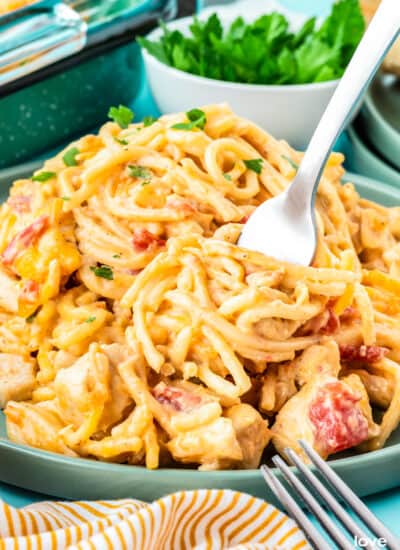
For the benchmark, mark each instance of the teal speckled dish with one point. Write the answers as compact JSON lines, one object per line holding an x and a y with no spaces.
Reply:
{"x":77,"y":478}
{"x":69,"y":98}
{"x":66,"y":105}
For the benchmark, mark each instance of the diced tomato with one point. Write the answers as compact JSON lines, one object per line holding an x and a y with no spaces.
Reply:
{"x":349,"y":314}
{"x":176,"y":398}
{"x":20,"y":203}
{"x":366,"y":354}
{"x":337,"y":420}
{"x":134,"y":271}
{"x":30,"y":291}
{"x":326,"y":322}
{"x":24,"y":238}
{"x":332,"y":323}
{"x":144,"y":241}
{"x":183,"y":205}
{"x":245,"y":219}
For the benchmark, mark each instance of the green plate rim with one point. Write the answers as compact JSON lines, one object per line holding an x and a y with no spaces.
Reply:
{"x":363,"y":155}
{"x":382,"y":135}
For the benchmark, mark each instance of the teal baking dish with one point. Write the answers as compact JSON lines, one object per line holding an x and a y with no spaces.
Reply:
{"x":63,"y":64}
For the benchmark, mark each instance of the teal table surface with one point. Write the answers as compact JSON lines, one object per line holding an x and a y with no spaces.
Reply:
{"x":385,"y":505}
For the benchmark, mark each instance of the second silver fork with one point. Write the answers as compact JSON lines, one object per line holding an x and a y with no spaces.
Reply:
{"x":384,"y":537}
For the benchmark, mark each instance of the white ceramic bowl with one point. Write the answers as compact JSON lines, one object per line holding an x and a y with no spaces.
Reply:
{"x":290,"y":112}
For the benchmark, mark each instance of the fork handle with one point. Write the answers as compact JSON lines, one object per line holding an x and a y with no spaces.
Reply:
{"x":379,"y":36}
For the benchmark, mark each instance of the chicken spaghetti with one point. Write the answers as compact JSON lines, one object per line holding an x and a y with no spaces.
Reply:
{"x":133,"y":329}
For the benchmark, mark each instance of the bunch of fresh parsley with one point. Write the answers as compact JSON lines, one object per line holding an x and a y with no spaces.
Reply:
{"x":265,"y":51}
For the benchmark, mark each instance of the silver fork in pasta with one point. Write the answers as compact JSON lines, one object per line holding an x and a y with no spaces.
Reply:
{"x":319,"y":493}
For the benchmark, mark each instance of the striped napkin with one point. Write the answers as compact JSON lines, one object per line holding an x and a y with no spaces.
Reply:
{"x":200,"y":520}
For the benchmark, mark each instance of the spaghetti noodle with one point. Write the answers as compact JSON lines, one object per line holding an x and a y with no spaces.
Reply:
{"x":11,"y":5}
{"x":134,"y":329}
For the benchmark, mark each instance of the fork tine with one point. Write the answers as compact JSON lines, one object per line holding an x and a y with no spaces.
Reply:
{"x":342,"y":541}
{"x":352,"y":527}
{"x":375,"y":525}
{"x":293,"y":508}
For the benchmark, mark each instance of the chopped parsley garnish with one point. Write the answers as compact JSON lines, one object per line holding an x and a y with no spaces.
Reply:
{"x":137,"y":171}
{"x":291,"y":162}
{"x":228,"y":177}
{"x":122,"y":115}
{"x":66,"y":198}
{"x":266,"y":50}
{"x":69,"y":157}
{"x":116,"y":255}
{"x":43,"y":176}
{"x":146,"y":182}
{"x":90,"y":319}
{"x":103,"y":271}
{"x":148,"y":121}
{"x":32,"y":316}
{"x":254,"y":164}
{"x":121,"y":141}
{"x":197,"y":119}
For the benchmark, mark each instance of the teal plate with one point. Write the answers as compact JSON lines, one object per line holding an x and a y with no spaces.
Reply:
{"x":77,"y":478}
{"x":381,"y":117}
{"x":361,"y":159}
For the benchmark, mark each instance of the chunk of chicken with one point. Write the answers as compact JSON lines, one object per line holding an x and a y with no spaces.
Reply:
{"x":120,"y":399}
{"x":379,"y":388}
{"x":356,"y":384}
{"x":9,"y":291}
{"x":63,"y":359}
{"x":208,"y":445}
{"x":185,"y":405}
{"x":252,"y":433}
{"x":281,"y":382}
{"x":83,"y":388}
{"x":17,"y":378}
{"x":278,"y":385}
{"x":316,"y":361}
{"x":326,"y":413}
{"x":36,"y":425}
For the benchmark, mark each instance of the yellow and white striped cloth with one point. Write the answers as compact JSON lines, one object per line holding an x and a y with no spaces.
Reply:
{"x":200,"y":520}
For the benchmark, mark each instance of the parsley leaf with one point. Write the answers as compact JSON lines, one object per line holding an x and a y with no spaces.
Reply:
{"x":291,"y":162}
{"x":146,"y":182}
{"x":116,"y":255}
{"x":122,"y":115}
{"x":197,"y":119}
{"x":254,"y":164}
{"x":148,"y":121}
{"x":43,"y":176}
{"x":307,"y":29}
{"x":66,"y":198}
{"x":69,"y":157}
{"x":103,"y":271}
{"x":121,"y":141}
{"x":228,"y":177}
{"x":343,"y":30}
{"x":90,"y":319}
{"x":313,"y":57}
{"x":157,"y":49}
{"x":137,"y":171}
{"x":32,"y":316}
